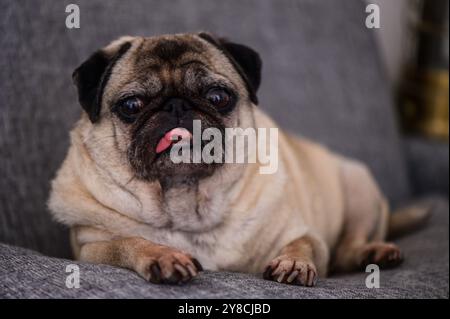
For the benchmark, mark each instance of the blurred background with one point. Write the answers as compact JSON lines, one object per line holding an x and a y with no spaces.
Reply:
{"x":415,"y":50}
{"x":414,"y":47}
{"x":378,"y":95}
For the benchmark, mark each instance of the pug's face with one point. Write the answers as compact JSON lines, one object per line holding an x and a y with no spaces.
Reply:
{"x":148,"y":92}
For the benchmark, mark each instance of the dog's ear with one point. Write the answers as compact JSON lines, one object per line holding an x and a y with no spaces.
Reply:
{"x":245,"y":60}
{"x":92,"y":75}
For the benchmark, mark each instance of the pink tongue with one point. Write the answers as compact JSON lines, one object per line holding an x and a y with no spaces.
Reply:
{"x":173,"y":136}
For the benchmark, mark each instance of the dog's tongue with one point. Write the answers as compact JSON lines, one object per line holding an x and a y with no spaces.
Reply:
{"x":171,"y":137}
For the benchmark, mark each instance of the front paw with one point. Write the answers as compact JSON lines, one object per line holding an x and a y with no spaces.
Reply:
{"x":168,"y":266}
{"x":292,"y":270}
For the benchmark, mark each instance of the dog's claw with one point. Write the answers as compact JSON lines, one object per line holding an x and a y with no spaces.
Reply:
{"x":155,"y":273}
{"x":174,"y":278}
{"x":267,"y":272}
{"x":292,"y":276}
{"x":197,"y":264}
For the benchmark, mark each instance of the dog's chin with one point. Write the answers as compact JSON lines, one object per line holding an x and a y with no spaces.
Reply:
{"x":171,"y":174}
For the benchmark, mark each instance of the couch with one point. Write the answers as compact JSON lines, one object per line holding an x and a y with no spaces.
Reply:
{"x":322,"y":78}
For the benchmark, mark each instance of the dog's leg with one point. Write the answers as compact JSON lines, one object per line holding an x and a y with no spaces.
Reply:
{"x":366,"y":221}
{"x":300,"y":262}
{"x":356,"y":253}
{"x":155,"y":263}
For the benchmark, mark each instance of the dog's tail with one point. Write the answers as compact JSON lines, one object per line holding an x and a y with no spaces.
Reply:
{"x":410,"y":218}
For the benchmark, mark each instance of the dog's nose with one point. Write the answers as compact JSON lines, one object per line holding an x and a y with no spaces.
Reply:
{"x":176,"y":106}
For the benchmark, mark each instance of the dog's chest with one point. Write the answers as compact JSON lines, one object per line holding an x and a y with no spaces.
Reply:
{"x":192,"y":209}
{"x":197,"y":222}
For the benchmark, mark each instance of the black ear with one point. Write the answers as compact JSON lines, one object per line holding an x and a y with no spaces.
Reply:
{"x":91,"y":78}
{"x":245,"y":60}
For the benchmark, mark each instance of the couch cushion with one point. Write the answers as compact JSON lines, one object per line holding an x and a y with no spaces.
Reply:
{"x":428,"y":166}
{"x":424,"y":274}
{"x":321,"y":78}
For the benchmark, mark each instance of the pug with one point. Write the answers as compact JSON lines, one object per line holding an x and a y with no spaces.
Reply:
{"x":129,"y":205}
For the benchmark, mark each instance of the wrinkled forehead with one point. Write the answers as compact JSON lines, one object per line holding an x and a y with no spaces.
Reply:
{"x":170,"y":50}
{"x":154,"y":64}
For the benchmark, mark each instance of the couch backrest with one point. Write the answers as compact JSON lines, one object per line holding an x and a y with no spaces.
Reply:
{"x":321,"y":78}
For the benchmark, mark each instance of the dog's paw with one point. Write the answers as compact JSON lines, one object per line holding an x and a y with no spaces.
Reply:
{"x":385,"y":255}
{"x":292,"y":270}
{"x":168,"y":266}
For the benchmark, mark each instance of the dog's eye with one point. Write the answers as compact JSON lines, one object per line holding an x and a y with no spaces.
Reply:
{"x":218,"y":97}
{"x":130,"y":107}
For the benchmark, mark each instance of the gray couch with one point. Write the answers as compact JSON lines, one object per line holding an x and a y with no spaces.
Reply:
{"x":322,"y":78}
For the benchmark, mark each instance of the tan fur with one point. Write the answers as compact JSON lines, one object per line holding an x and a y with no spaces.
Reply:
{"x":316,"y":205}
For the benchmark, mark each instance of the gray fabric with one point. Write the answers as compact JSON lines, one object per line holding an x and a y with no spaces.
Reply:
{"x":428,"y":166}
{"x":424,"y":274}
{"x":321,"y":78}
